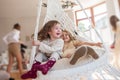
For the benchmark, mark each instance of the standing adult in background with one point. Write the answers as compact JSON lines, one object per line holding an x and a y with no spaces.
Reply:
{"x":13,"y":42}
{"x":115,"y":22}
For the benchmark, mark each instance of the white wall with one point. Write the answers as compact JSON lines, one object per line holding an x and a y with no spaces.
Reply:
{"x":113,"y":7}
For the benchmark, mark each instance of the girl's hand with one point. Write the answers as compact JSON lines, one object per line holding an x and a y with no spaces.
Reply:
{"x":99,"y":44}
{"x":21,"y":42}
{"x":36,"y":43}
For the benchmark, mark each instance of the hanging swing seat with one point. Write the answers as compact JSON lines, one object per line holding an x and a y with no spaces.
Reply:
{"x":64,"y":62}
{"x":62,"y":70}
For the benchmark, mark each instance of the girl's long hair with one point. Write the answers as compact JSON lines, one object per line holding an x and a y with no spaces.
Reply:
{"x":113,"y":21}
{"x":43,"y":33}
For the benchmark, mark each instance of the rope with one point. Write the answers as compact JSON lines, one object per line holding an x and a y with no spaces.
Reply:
{"x":35,"y":34}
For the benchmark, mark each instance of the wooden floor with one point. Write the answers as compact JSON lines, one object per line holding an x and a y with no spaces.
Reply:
{"x":16,"y":75}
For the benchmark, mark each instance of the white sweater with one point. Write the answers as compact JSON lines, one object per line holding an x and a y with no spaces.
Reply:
{"x":12,"y":37}
{"x":47,"y":46}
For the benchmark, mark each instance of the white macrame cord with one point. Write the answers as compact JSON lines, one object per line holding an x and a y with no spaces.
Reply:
{"x":62,"y":70}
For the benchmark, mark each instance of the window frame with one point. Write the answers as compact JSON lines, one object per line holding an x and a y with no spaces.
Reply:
{"x":91,"y":12}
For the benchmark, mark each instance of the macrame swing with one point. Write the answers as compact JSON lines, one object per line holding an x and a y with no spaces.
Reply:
{"x":62,"y":70}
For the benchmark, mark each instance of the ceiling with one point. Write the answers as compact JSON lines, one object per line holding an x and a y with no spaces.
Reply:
{"x":28,"y":8}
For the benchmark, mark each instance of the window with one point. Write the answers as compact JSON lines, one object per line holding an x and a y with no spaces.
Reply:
{"x":83,"y":25}
{"x":80,"y":14}
{"x":97,"y":14}
{"x":94,"y":13}
{"x":99,"y":9}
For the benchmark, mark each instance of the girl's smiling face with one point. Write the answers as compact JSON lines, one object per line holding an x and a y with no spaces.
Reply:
{"x":65,"y":37}
{"x":55,"y":32}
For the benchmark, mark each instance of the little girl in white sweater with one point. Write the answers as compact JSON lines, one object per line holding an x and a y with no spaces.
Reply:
{"x":49,"y":47}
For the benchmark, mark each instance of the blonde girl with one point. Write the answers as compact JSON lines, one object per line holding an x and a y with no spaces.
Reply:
{"x":76,"y":49}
